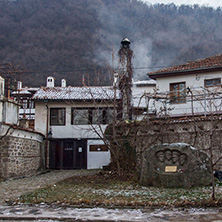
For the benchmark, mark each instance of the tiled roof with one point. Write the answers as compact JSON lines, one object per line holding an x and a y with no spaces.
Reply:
{"x":76,"y":93}
{"x":207,"y":63}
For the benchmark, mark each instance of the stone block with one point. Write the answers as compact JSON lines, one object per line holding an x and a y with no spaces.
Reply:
{"x":175,"y":165}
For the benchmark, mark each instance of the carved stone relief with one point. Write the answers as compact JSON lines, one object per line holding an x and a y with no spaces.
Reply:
{"x":175,"y":165}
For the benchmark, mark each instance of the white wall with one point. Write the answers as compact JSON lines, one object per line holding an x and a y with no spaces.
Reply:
{"x":19,"y":133}
{"x":68,"y":130}
{"x":96,"y":160}
{"x":193,"y":81}
{"x":8,"y":108}
{"x":11,"y":112}
{"x":137,"y":93}
{"x":1,"y":109}
{"x":2,"y":86}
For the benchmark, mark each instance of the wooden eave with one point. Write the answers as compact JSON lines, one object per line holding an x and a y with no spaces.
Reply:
{"x":184,"y":72}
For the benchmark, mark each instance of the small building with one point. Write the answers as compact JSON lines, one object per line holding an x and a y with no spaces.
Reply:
{"x":193,"y":88}
{"x":23,"y":95}
{"x":73,"y":120}
{"x":21,"y":150}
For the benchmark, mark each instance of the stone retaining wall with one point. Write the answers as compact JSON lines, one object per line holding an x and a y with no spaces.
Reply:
{"x":20,"y":157}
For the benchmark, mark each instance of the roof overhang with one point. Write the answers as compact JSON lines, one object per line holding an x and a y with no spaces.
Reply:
{"x":74,"y":100}
{"x":183,"y":72}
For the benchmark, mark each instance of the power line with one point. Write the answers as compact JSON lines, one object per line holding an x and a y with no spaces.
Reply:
{"x":87,"y":70}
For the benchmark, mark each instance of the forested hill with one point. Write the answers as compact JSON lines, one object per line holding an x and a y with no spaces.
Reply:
{"x":72,"y":38}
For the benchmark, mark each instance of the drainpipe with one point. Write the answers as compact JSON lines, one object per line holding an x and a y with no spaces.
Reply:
{"x":47,"y":139}
{"x":205,"y":103}
{"x":148,"y":101}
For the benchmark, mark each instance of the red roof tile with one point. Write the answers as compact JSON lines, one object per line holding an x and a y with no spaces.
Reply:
{"x":201,"y":64}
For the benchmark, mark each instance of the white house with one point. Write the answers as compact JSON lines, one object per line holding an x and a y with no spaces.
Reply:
{"x":139,"y":99}
{"x":73,"y":120}
{"x":193,"y":88}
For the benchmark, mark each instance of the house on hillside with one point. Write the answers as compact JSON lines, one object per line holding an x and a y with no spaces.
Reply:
{"x":73,"y":120}
{"x":189,"y":89}
{"x":21,"y":150}
{"x":23,"y":95}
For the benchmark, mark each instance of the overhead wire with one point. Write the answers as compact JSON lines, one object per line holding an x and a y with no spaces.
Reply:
{"x":85,"y":70}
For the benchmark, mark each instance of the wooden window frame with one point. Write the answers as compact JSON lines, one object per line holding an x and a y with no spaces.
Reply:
{"x":57,"y":123}
{"x":214,"y":83}
{"x":177,"y":96}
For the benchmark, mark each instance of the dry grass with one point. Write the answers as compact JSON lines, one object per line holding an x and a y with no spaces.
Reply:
{"x":99,"y":190}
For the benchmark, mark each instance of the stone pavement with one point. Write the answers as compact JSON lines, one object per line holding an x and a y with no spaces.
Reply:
{"x":16,"y":187}
{"x":45,"y":213}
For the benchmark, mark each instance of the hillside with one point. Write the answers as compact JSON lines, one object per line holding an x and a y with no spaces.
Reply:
{"x":72,"y":38}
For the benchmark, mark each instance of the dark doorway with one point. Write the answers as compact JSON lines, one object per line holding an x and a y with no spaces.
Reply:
{"x":68,"y":154}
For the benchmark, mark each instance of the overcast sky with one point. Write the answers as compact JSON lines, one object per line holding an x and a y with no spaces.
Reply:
{"x":212,"y":3}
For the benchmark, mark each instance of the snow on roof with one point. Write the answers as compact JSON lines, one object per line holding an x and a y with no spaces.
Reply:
{"x":145,"y":82}
{"x":33,"y":88}
{"x":23,"y":91}
{"x":26,"y":90}
{"x":76,"y":93}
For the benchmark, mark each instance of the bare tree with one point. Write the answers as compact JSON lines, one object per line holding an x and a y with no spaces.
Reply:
{"x":203,"y":114}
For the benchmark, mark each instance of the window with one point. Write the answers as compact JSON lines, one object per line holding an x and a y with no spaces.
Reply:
{"x":178,"y":92}
{"x":31,"y":104}
{"x":25,"y":104}
{"x":83,"y":116}
{"x":212,"y":82}
{"x":80,"y":117}
{"x":109,"y":115}
{"x":57,"y":116}
{"x":98,"y":116}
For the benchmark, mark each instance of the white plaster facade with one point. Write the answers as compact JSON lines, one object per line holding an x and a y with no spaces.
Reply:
{"x":71,"y":136}
{"x":9,"y":109}
{"x":139,"y":99}
{"x":68,"y":130}
{"x":193,"y":88}
{"x":16,"y":132}
{"x":200,"y":105}
{"x":139,"y":88}
{"x":97,"y":159}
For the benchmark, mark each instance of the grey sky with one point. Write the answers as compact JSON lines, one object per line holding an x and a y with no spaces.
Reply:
{"x":211,"y":3}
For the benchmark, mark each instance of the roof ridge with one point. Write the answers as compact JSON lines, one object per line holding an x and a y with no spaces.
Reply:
{"x":208,"y":62}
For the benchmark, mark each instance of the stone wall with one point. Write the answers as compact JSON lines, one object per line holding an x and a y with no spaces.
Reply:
{"x":202,"y":133}
{"x":20,"y":157}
